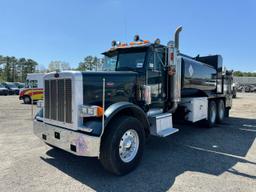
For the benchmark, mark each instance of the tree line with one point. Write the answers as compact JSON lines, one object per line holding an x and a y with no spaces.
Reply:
{"x":244,"y":74}
{"x":14,"y":69}
{"x":89,"y":63}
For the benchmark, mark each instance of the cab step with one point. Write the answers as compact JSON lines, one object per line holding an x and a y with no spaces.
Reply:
{"x":167,"y":132}
{"x":161,"y":125}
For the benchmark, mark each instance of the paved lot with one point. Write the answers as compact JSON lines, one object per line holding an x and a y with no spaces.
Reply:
{"x":195,"y":159}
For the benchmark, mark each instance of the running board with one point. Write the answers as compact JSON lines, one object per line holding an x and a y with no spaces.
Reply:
{"x":161,"y":125}
{"x":167,"y":132}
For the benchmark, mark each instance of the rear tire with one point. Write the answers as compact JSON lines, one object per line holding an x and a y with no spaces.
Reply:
{"x":122,"y":145}
{"x":220,"y":111}
{"x":27,"y":100}
{"x":212,"y":114}
{"x":227,"y":112}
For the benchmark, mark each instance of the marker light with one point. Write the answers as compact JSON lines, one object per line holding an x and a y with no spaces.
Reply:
{"x":139,"y":42}
{"x":157,"y":41}
{"x":113,"y":43}
{"x":122,"y":45}
{"x":136,"y":38}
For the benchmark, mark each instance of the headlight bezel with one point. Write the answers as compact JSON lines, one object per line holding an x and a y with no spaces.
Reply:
{"x":91,"y":111}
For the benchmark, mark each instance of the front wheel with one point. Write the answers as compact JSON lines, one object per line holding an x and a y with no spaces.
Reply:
{"x":122,"y":145}
{"x":27,"y":100}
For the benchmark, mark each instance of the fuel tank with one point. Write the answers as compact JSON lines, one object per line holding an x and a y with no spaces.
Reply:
{"x":197,"y":78}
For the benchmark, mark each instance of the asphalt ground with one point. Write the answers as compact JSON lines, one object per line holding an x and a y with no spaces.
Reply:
{"x":219,"y":159}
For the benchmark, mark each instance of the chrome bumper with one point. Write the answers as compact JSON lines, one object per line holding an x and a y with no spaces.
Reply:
{"x":74,"y":142}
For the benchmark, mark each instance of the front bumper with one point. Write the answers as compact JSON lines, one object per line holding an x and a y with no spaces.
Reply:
{"x":71,"y":141}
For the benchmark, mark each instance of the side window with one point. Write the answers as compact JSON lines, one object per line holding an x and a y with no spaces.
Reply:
{"x":155,"y":61}
{"x":109,"y":63}
{"x":155,"y":77}
{"x":33,"y":84}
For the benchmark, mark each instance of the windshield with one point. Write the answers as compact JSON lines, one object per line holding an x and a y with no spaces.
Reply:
{"x":1,"y":86}
{"x":124,"y":61}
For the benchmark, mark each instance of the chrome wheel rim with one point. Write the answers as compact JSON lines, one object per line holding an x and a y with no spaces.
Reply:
{"x":129,"y":145}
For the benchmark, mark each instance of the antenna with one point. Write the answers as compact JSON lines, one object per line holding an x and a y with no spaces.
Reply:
{"x":124,"y":19}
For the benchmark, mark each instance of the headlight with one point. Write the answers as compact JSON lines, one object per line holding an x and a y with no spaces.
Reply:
{"x":91,"y":111}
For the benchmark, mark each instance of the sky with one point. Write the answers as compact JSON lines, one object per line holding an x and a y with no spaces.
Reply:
{"x":69,"y":30}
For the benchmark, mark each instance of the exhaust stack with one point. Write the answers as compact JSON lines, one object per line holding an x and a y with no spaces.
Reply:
{"x":177,"y":37}
{"x":174,"y":66}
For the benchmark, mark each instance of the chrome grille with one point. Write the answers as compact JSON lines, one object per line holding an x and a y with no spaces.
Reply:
{"x":58,"y":100}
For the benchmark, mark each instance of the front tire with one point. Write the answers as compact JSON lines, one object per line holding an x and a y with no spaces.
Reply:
{"x":27,"y":100}
{"x":122,"y":145}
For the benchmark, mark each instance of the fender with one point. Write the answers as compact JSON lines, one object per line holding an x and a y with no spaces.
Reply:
{"x":126,"y":108}
{"x":120,"y":108}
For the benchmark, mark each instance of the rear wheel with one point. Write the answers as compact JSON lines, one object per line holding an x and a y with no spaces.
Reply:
{"x":27,"y":100}
{"x":221,"y":111}
{"x":212,"y":114}
{"x":122,"y":145}
{"x":227,"y":112}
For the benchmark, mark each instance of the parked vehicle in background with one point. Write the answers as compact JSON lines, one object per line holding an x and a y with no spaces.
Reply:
{"x":19,"y":85}
{"x":33,"y":90}
{"x":248,"y":88}
{"x":12,"y":88}
{"x":3,"y":90}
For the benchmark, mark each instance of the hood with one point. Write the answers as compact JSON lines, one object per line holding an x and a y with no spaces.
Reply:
{"x":119,"y":86}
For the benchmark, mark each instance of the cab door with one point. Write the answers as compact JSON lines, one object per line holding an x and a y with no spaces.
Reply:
{"x":155,"y":78}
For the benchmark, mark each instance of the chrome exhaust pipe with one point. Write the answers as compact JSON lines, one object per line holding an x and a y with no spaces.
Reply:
{"x":175,"y":79}
{"x":177,"y":37}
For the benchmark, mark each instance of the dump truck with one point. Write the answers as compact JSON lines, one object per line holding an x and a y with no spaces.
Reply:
{"x":142,"y":90}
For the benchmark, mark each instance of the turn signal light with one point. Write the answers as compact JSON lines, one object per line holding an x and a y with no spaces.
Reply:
{"x":100,"y":111}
